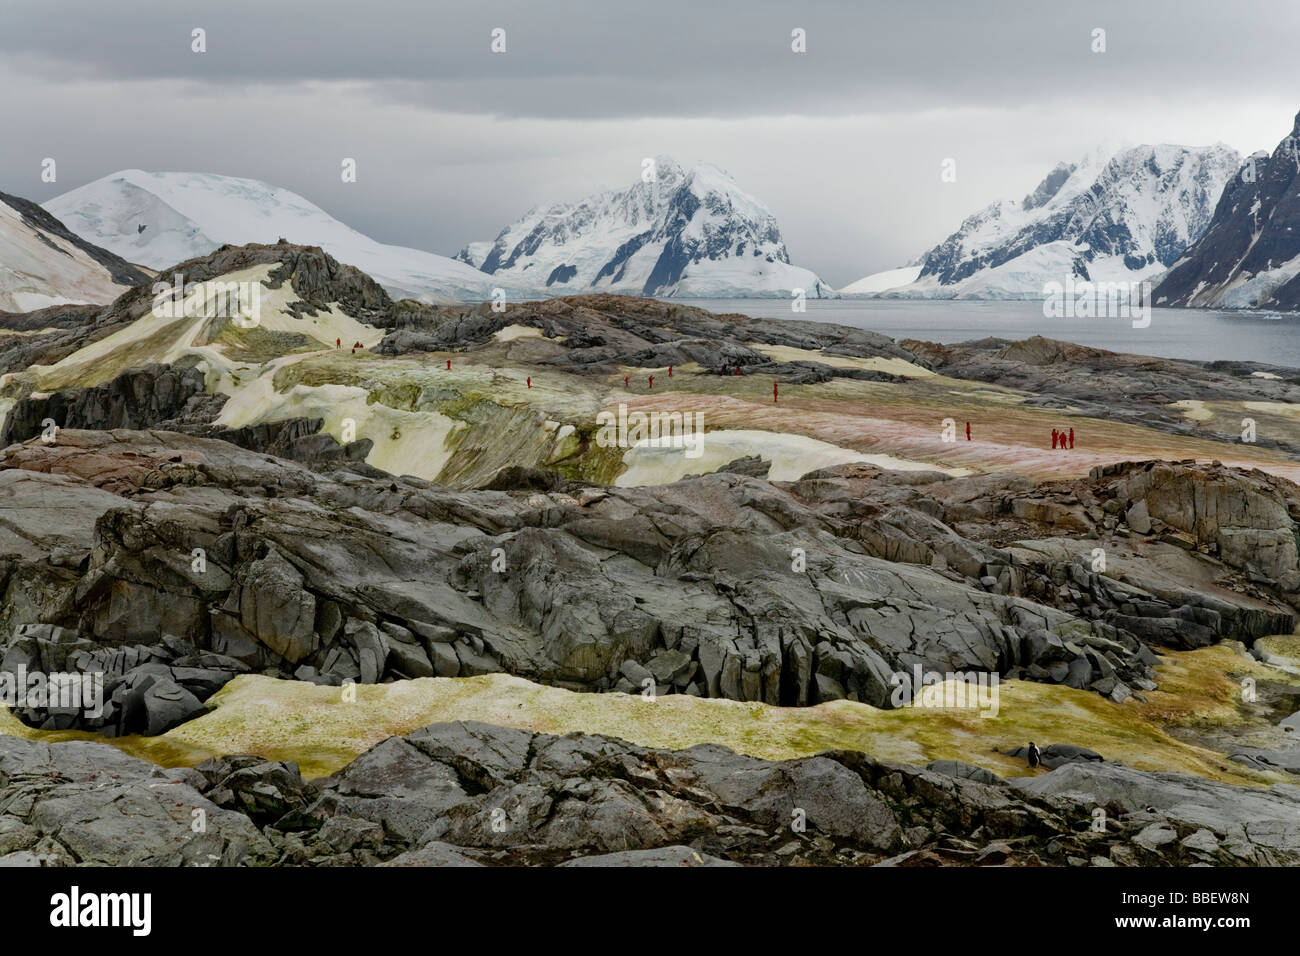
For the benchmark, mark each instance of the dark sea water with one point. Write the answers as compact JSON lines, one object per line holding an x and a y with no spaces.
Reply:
{"x":1271,"y":338}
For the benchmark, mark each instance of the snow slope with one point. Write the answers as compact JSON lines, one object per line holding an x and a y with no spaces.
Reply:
{"x":42,"y":264}
{"x":403,"y":442}
{"x":1126,"y":218}
{"x":687,"y":233}
{"x":882,"y":281}
{"x":185,"y":215}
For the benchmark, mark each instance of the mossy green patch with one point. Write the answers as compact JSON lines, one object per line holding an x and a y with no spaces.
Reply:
{"x":322,"y":730}
{"x":587,"y":461}
{"x":258,"y":345}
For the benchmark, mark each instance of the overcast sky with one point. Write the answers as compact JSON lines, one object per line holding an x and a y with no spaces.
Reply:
{"x":844,"y":142}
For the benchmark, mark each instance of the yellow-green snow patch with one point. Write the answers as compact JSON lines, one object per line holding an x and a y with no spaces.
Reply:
{"x":293,"y":720}
{"x":405,"y":443}
{"x":159,"y":336}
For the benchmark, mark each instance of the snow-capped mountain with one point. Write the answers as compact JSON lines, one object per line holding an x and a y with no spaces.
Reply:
{"x":1249,"y":257}
{"x":162,"y":219}
{"x":686,"y":233}
{"x":1123,"y":219}
{"x":42,"y":263}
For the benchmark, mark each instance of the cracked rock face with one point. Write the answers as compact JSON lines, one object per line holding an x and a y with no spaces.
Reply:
{"x":173,"y":563}
{"x":471,"y":794}
{"x":82,"y":803}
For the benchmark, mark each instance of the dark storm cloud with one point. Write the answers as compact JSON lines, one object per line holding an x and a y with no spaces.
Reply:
{"x":603,"y":58}
{"x":843,"y":143}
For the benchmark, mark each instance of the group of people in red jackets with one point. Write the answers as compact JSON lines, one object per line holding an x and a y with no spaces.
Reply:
{"x":1059,"y":438}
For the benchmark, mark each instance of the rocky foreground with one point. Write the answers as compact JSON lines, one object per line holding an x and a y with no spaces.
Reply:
{"x":174,"y":545}
{"x":173,"y":564}
{"x":468,"y":794}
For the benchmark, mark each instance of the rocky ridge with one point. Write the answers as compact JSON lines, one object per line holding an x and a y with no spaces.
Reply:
{"x":723,"y":585}
{"x":470,"y":794}
{"x":1247,"y":256}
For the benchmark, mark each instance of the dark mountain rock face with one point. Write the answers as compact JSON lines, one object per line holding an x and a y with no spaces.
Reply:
{"x":1049,"y":187}
{"x":122,"y":271}
{"x":1246,"y":257}
{"x":561,"y":274}
{"x":730,"y":236}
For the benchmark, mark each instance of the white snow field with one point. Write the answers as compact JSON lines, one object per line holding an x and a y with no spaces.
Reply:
{"x":882,"y":281}
{"x":792,"y":456}
{"x":38,"y":269}
{"x":185,"y":215}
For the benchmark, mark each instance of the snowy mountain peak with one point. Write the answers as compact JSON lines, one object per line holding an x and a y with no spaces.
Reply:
{"x":160,"y":219}
{"x":1125,"y":217}
{"x":668,"y":173}
{"x":679,"y":232}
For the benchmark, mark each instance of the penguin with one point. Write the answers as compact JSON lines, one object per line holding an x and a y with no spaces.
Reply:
{"x":1033,"y":755}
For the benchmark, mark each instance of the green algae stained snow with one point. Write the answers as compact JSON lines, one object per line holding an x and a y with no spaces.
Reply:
{"x":321,"y":730}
